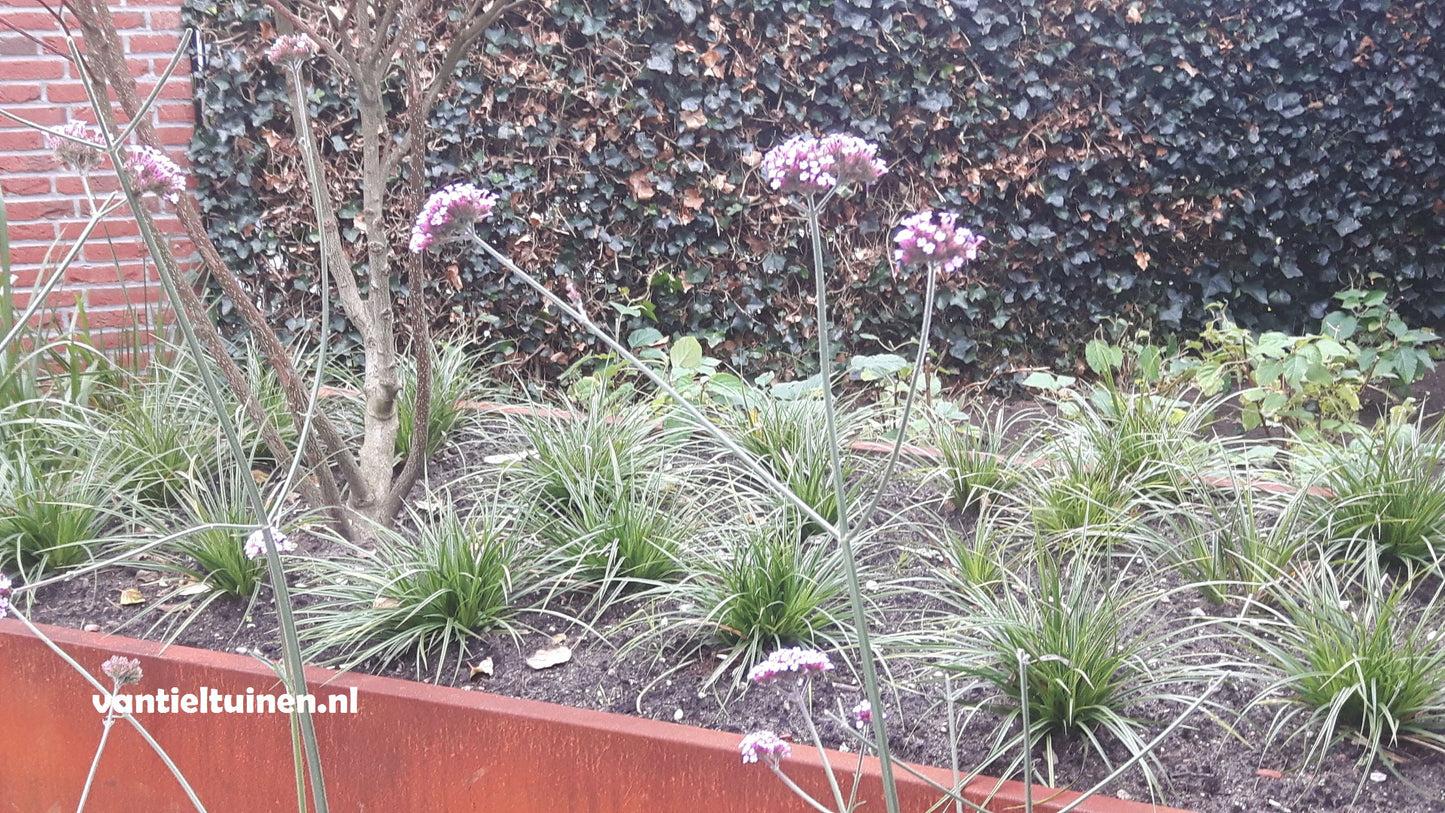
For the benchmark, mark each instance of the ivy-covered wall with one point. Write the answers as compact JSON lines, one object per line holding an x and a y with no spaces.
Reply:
{"x":1132,"y":158}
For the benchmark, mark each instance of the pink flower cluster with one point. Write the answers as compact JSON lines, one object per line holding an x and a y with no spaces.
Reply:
{"x":79,"y":157}
{"x":449,"y":214}
{"x":124,"y":671}
{"x":765,"y":746}
{"x":4,"y":596}
{"x":804,"y":165}
{"x":255,"y":546}
{"x":794,"y":661}
{"x":153,"y":171}
{"x":290,"y":50}
{"x":934,"y":238}
{"x":863,"y":714}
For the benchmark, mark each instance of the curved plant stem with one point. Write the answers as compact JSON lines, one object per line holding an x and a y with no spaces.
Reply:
{"x":802,"y":794}
{"x":95,"y":762}
{"x":845,"y":539}
{"x":800,"y":699}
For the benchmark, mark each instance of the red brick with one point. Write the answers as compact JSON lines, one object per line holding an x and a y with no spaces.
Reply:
{"x":113,"y":296}
{"x":20,"y":211}
{"x":115,"y":227}
{"x":25,"y":163}
{"x":127,"y":19}
{"x":102,"y":251}
{"x":124,"y":317}
{"x":102,"y":273}
{"x":32,"y":231}
{"x":177,"y":136}
{"x":12,"y":44}
{"x":176,"y":113}
{"x":36,"y":254}
{"x":65,"y":92}
{"x":101,"y":182}
{"x":47,"y":67}
{"x":21,"y":140}
{"x":32,"y":21}
{"x":17,"y":92}
{"x":152,"y":43}
{"x":14,"y":185}
{"x":48,"y":115}
{"x":165,"y":20}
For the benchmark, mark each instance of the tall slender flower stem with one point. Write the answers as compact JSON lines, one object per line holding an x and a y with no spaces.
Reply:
{"x":800,"y":699}
{"x":99,"y":749}
{"x":290,"y":645}
{"x":845,"y":539}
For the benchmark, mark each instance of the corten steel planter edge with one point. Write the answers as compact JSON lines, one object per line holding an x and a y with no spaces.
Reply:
{"x":409,"y":747}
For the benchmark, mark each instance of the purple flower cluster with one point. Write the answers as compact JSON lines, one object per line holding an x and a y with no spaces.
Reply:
{"x":935,"y":238}
{"x":75,"y":156}
{"x":256,"y":543}
{"x":290,"y":50}
{"x":153,"y":171}
{"x":4,"y":596}
{"x":863,"y":714}
{"x":794,"y":661}
{"x":449,"y":214}
{"x":765,"y":746}
{"x":124,"y":671}
{"x":804,"y":165}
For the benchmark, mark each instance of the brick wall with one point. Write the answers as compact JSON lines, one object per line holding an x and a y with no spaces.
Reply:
{"x":45,"y":202}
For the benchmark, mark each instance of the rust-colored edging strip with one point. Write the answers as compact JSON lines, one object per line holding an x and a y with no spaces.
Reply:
{"x":409,"y":747}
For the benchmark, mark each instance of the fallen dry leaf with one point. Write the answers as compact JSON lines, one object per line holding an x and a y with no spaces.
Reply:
{"x":549,"y":656}
{"x":485,"y":668}
{"x":694,"y":119}
{"x":385,"y":603}
{"x":131,"y":596}
{"x":641,"y":187}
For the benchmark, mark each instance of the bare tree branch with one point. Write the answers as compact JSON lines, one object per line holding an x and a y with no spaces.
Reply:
{"x":461,"y":43}
{"x":103,"y":43}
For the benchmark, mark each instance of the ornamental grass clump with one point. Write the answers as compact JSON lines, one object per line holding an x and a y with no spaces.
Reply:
{"x":753,"y":586}
{"x":981,"y":463}
{"x":1349,"y":656}
{"x":427,"y":598}
{"x":1386,"y":491}
{"x":456,"y":378}
{"x":1089,"y":649}
{"x":51,"y":519}
{"x":635,"y":536}
{"x":589,"y":456}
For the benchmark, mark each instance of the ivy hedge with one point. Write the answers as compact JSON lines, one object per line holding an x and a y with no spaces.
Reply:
{"x":1125,"y":158}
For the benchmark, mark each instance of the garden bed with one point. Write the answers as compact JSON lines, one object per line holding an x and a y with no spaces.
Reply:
{"x":1219,"y":761}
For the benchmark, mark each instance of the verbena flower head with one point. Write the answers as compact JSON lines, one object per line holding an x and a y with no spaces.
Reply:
{"x":78,"y":157}
{"x":765,"y":746}
{"x":794,"y":661}
{"x":804,"y":165}
{"x":290,"y":50}
{"x":450,"y":214}
{"x":153,"y":171}
{"x":256,"y":543}
{"x":124,"y":671}
{"x":934,"y":238}
{"x":4,"y":596}
{"x":863,"y":714}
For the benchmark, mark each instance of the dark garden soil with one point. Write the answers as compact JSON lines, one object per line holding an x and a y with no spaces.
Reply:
{"x":1219,"y":762}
